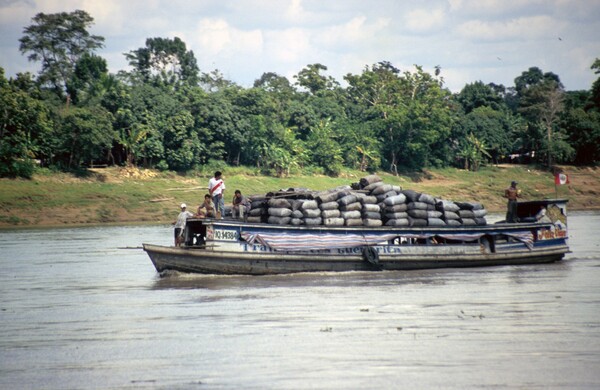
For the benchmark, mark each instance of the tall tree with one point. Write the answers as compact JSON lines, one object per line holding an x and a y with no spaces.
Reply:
{"x":311,"y":78}
{"x":428,"y":121}
{"x":90,"y":80}
{"x":58,"y":41}
{"x":166,"y":60}
{"x":541,"y":104}
{"x":378,"y":89}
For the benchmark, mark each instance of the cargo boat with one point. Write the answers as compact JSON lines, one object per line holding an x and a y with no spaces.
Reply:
{"x":228,"y":246}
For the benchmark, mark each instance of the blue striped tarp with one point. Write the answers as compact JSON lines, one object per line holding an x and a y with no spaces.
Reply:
{"x":290,"y":242}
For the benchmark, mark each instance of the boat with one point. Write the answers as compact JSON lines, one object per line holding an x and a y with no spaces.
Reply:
{"x":229,"y":246}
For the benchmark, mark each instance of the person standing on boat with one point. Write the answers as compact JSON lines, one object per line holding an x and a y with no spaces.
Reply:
{"x":216,"y":188}
{"x":180,"y":224}
{"x":511,"y":193}
{"x":241,"y":205}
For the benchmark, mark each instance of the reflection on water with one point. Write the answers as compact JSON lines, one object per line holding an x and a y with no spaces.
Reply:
{"x":77,"y":312}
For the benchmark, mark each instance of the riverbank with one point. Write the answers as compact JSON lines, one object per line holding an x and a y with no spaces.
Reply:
{"x":121,"y":196}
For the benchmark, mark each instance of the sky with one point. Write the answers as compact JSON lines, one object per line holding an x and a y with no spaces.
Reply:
{"x":493,"y":41}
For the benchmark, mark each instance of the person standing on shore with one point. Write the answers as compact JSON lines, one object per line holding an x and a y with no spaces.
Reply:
{"x":511,"y":193}
{"x":180,"y":224}
{"x":216,"y":188}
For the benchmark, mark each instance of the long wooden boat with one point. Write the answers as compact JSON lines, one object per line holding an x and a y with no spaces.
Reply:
{"x":235,"y":247}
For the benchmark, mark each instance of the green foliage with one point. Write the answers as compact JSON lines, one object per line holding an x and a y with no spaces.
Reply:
{"x":165,"y":114}
{"x":473,"y":151}
{"x":58,"y":41}
{"x":311,"y":79}
{"x":24,"y":127}
{"x":165,"y":61}
{"x":476,"y":95}
{"x":83,"y":135}
{"x":491,"y":127}
{"x":324,"y":150}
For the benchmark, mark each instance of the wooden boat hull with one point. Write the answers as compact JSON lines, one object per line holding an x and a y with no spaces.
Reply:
{"x":189,"y":259}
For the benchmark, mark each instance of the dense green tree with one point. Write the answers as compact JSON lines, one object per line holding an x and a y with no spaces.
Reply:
{"x":360,"y":144}
{"x":313,"y":81}
{"x":165,"y":60}
{"x":24,"y":126}
{"x":541,"y":104}
{"x":379,"y":90}
{"x":581,"y":120}
{"x":583,"y":129}
{"x":84,"y":135}
{"x":426,"y":122}
{"x":324,"y":149}
{"x":90,"y":80}
{"x":215,"y":81}
{"x":58,"y":41}
{"x":490,"y":127}
{"x":166,"y":114}
{"x":476,"y":95}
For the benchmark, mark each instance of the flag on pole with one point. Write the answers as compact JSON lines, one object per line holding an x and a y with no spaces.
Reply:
{"x":561,"y":178}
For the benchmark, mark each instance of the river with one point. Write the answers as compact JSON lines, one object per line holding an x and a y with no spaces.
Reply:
{"x":79,"y":312}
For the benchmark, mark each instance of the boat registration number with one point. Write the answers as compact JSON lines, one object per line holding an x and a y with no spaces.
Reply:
{"x":225,"y":235}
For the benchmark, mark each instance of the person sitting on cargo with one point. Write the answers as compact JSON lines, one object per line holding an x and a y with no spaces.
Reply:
{"x":180,"y":224}
{"x":241,"y":205}
{"x":209,"y":210}
{"x":511,"y":193}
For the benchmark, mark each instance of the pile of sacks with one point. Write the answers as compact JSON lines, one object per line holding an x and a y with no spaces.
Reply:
{"x":370,"y":202}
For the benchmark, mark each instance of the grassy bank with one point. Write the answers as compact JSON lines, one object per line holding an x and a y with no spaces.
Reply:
{"x":118,"y":195}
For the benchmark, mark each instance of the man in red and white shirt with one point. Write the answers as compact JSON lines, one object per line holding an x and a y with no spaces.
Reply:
{"x":216,"y":188}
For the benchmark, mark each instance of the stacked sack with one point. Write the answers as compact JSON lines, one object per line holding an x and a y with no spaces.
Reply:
{"x":330,"y":209}
{"x":472,"y":213}
{"x":421,"y":209}
{"x":462,"y":213}
{"x":350,"y":209}
{"x":258,"y":209}
{"x":377,"y":198}
{"x":395,"y":210}
{"x":370,"y":210}
{"x":370,"y":202}
{"x":311,"y":214}
{"x":279,"y":211}
{"x":449,"y":211}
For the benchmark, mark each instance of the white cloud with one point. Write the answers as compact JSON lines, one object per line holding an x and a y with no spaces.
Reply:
{"x":246,"y":38}
{"x":492,"y":8}
{"x":424,"y":20}
{"x":289,"y":45}
{"x":535,"y":27}
{"x":215,"y":37}
{"x":352,"y":34}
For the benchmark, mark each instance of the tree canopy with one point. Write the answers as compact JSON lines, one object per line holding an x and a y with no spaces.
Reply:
{"x":166,"y":113}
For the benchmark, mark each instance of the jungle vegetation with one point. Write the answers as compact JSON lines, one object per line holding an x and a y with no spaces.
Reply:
{"x":166,"y":113}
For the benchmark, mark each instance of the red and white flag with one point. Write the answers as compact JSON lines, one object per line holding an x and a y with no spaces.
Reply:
{"x":561,"y":178}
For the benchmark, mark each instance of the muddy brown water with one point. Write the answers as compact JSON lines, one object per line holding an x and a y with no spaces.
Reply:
{"x":77,"y":312}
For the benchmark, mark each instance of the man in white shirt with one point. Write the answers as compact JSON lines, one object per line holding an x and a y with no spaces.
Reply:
{"x":180,"y":224}
{"x":216,"y":188}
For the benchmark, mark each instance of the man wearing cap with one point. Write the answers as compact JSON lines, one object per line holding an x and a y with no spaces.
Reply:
{"x":511,"y":193}
{"x":180,"y":224}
